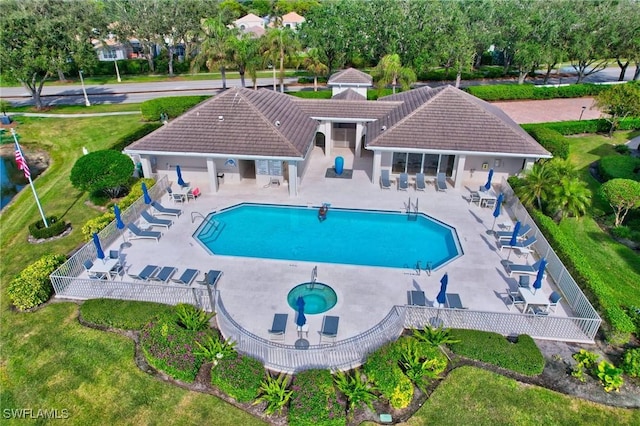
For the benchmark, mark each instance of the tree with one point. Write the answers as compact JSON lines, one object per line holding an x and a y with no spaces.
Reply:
{"x":619,"y":101}
{"x":40,"y":38}
{"x":280,"y":44}
{"x":625,"y":46}
{"x":536,"y":185}
{"x":622,"y":195}
{"x":245,"y":54}
{"x":570,"y":197}
{"x":390,"y":71}
{"x":314,"y":65}
{"x":215,"y":47}
{"x":107,"y":170}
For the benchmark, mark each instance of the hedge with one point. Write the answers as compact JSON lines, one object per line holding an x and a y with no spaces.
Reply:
{"x":550,"y":139}
{"x":173,"y":106}
{"x":504,"y":92}
{"x":239,"y":377}
{"x":122,"y":314}
{"x":56,"y":227}
{"x":523,"y":356}
{"x":383,"y":369}
{"x":32,"y":286}
{"x":307,"y":94}
{"x":578,"y":265}
{"x":585,"y":126}
{"x":619,"y":167}
{"x":314,"y":401}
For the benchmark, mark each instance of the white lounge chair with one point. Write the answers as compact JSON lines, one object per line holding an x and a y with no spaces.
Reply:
{"x":385,"y":181}
{"x":162,"y":210}
{"x":137,"y":233}
{"x":519,"y":245}
{"x":506,"y":235}
{"x":441,"y":182}
{"x":155,"y":221}
{"x":513,"y":268}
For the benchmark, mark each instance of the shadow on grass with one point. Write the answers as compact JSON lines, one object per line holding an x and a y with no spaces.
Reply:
{"x":75,"y":201}
{"x":628,"y":255}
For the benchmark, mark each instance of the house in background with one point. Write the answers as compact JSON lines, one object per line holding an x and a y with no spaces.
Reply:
{"x":249,"y":21}
{"x":292,"y":20}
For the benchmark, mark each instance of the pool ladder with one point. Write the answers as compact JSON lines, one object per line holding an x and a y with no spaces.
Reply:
{"x":412,"y":210}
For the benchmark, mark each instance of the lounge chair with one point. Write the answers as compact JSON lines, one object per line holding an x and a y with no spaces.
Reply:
{"x":506,"y":235}
{"x":385,"y":181}
{"x":513,"y":268}
{"x":164,"y":210}
{"x":147,"y":273}
{"x":420,"y":185}
{"x":187,"y":277}
{"x":329,"y":328}
{"x":403,"y":182}
{"x":278,"y":327}
{"x":441,"y":182}
{"x":519,"y":245}
{"x":416,"y":298}
{"x":164,"y":274}
{"x":139,"y":234}
{"x":155,"y":221}
{"x":210,"y":278}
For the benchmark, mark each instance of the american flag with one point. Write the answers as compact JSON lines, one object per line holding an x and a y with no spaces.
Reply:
{"x":22,"y":163}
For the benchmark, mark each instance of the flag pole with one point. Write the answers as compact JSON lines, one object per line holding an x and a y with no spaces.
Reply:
{"x":27,"y":174}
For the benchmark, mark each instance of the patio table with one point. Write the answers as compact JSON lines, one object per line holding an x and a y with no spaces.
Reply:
{"x":486,"y":196}
{"x":104,"y":267}
{"x":530,"y":298}
{"x":183,"y":192}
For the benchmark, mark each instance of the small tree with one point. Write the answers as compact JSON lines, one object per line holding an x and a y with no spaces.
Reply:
{"x":108,"y":171}
{"x":619,"y":101}
{"x":622,"y":195}
{"x":390,"y":71}
{"x":314,"y":65}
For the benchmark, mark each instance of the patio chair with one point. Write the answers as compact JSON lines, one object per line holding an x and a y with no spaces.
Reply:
{"x":489,"y":203}
{"x":523,"y":269}
{"x":162,"y":210}
{"x":506,"y":235}
{"x":539,"y":310}
{"x":329,"y":328}
{"x":441,"y":182}
{"x":554,"y":300}
{"x":403,"y":182}
{"x":170,"y":192}
{"x":416,"y":298}
{"x":164,"y":274}
{"x":420,"y":183}
{"x":139,"y":234}
{"x":210,"y":278}
{"x":155,"y":221}
{"x":385,"y":181}
{"x":193,"y":194}
{"x":515,"y":298}
{"x":118,"y":268}
{"x":278,"y":327}
{"x":88,"y":264}
{"x":518,"y":245}
{"x":474,"y":197}
{"x":187,"y":277}
{"x":523,"y":281}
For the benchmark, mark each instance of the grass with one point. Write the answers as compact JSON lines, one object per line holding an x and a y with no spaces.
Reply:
{"x":79,"y":109}
{"x":472,"y":396}
{"x":123,"y":314}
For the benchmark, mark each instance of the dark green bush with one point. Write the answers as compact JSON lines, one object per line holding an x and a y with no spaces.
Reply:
{"x":32,"y":286}
{"x":56,"y":227}
{"x":523,"y":356}
{"x":173,"y":106}
{"x":314,"y":401}
{"x":585,"y":126}
{"x":140,"y":132}
{"x":123,"y":314}
{"x":309,"y":80}
{"x":382,"y":367}
{"x":631,"y":362}
{"x":552,"y":140}
{"x":501,"y":92}
{"x":105,"y":170}
{"x":621,"y":232}
{"x":623,"y":149}
{"x":619,"y":166}
{"x":239,"y":377}
{"x":581,"y":270}
{"x":307,"y":94}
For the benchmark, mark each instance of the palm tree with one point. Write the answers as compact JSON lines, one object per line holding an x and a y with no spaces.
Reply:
{"x":314,"y":65}
{"x":536,"y":185}
{"x":244,"y":54}
{"x":570,"y":197}
{"x":215,"y":47}
{"x":279,"y":44}
{"x":390,"y":71}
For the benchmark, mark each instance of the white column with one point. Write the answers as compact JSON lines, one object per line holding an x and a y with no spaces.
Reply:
{"x":325,"y":128}
{"x":213,"y":175}
{"x":147,"y":170}
{"x":375,"y":172}
{"x":528,"y":163}
{"x":359,"y":128}
{"x":460,"y":160}
{"x":293,"y":178}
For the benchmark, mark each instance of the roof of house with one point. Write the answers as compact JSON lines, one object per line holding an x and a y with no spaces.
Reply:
{"x":446,"y":118}
{"x":349,"y":95}
{"x":351,"y":77}
{"x":238,"y":122}
{"x":293,"y":17}
{"x":346,"y":109}
{"x":250,"y":17}
{"x":256,"y":31}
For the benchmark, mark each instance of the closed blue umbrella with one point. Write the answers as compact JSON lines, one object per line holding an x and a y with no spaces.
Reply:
{"x":537,"y":284}
{"x":179,"y":173}
{"x":301,"y":319}
{"x":119,"y":222}
{"x":514,"y":237}
{"x":496,"y":211}
{"x":487,"y":185}
{"x":145,"y":193}
{"x":442,"y":296}
{"x":96,"y":242}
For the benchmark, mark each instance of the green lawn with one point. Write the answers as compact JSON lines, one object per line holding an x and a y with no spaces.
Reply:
{"x":80,"y":109}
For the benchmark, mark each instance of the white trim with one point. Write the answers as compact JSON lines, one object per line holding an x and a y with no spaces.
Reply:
{"x":212,"y":155}
{"x":450,"y":152}
{"x":344,"y":120}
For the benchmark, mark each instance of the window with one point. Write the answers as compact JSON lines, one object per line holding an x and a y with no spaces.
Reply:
{"x":399,"y":162}
{"x":430,"y":164}
{"x":110,"y":54}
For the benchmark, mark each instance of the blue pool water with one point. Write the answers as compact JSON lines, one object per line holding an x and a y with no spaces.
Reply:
{"x":355,"y":237}
{"x":318,"y":297}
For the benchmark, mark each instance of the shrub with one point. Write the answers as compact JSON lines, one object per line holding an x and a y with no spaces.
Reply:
{"x":434,"y":336}
{"x":32,"y":286}
{"x":56,"y":227}
{"x":174,"y":106}
{"x":192,"y":318}
{"x":309,"y":80}
{"x":501,"y":92}
{"x":586,"y":361}
{"x":422,"y":361}
{"x":623,"y":149}
{"x":314,"y":401}
{"x":105,"y":170}
{"x":619,"y":166}
{"x":631,"y":362}
{"x":610,"y":376}
{"x":123,"y":314}
{"x":621,"y":232}
{"x":171,"y":348}
{"x":274,"y":392}
{"x":552,"y":140}
{"x":215,"y":348}
{"x":239,"y":377}
{"x":383,"y":369}
{"x":320,"y":94}
{"x":522,"y":356}
{"x":358,"y":390}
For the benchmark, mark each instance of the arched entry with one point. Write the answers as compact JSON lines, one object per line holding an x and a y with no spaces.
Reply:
{"x":320,"y":140}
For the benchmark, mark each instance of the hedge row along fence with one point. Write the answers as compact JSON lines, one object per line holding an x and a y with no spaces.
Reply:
{"x":508,"y":92}
{"x":173,"y":106}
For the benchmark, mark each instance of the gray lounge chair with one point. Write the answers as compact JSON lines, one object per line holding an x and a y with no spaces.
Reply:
{"x":162,"y":210}
{"x":147,"y":273}
{"x":519,"y":245}
{"x":210,"y":278}
{"x":164,"y":274}
{"x":278,"y":327}
{"x":385,"y":181}
{"x":329,"y":328}
{"x":420,"y":184}
{"x":138,"y":234}
{"x":441,"y":182}
{"x":416,"y":298}
{"x":155,"y":221}
{"x":187,"y":277}
{"x":506,"y":235}
{"x":403,"y":182}
{"x":513,"y":268}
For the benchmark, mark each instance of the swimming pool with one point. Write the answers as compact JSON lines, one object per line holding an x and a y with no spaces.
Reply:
{"x":347,"y":236}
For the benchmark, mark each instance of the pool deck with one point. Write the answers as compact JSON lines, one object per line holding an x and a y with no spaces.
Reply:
{"x":253,"y":290}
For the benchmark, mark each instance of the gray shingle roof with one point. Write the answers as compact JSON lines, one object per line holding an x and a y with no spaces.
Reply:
{"x":332,"y":108}
{"x":351,"y":77}
{"x":349,"y":95}
{"x":446,"y":118}
{"x":240,"y":122}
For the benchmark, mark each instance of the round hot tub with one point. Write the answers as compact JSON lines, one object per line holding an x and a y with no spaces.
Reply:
{"x":318,"y":297}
